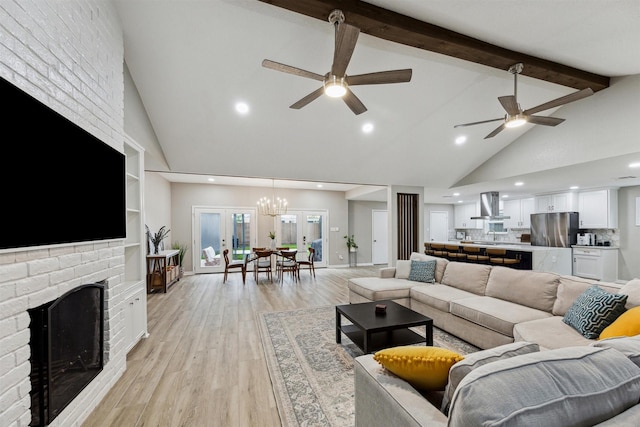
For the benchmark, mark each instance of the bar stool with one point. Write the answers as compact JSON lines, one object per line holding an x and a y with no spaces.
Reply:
{"x":498,"y":257}
{"x":454,"y":254}
{"x":474,"y":254}
{"x":438,"y":250}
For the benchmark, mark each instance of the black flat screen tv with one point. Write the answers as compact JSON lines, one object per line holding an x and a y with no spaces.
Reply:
{"x":60,"y":184}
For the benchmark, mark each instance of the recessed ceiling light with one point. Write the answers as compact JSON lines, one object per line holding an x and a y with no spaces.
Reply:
{"x":460,"y":201}
{"x":573,"y":187}
{"x":242,"y":107}
{"x":504,"y":196}
{"x":319,"y":185}
{"x":367,"y":127}
{"x":634,"y":165}
{"x":461,"y":140}
{"x":456,"y":194}
{"x":519,"y":183}
{"x":211,"y":179}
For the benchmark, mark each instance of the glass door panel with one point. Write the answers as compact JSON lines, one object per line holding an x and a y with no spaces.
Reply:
{"x":289,"y":231}
{"x":208,"y":240}
{"x":312,"y":235}
{"x":240,"y":235}
{"x":303,"y":229}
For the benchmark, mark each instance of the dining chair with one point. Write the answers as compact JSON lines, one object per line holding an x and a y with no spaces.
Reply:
{"x":307,"y":263}
{"x":234,"y":265}
{"x":287,"y":263}
{"x":262,"y":263}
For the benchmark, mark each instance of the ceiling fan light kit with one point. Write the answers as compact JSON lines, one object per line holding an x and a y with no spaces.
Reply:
{"x":516,"y":117}
{"x":336,"y":83}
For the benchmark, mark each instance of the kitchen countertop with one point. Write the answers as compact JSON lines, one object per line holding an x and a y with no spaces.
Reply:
{"x":512,"y":246}
{"x":595,"y":247}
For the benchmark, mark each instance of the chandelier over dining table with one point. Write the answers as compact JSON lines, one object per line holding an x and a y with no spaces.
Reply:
{"x":274,"y":206}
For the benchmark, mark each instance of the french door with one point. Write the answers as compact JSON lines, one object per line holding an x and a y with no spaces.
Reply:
{"x":303,"y":229}
{"x":220,"y":229}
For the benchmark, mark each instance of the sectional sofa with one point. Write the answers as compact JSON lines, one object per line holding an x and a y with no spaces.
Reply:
{"x":485,"y":305}
{"x":561,"y":379}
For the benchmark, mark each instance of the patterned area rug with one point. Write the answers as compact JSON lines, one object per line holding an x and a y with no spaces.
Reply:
{"x":312,"y":376}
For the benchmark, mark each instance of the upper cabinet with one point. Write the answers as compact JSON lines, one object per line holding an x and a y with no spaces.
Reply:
{"x":463,"y":214}
{"x":560,"y":202}
{"x":598,"y":208}
{"x":519,"y":212}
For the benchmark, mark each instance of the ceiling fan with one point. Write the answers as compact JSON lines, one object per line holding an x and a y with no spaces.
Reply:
{"x":517,"y":117}
{"x":336,"y":82}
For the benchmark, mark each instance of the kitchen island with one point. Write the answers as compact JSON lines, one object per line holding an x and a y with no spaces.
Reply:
{"x":538,"y":258}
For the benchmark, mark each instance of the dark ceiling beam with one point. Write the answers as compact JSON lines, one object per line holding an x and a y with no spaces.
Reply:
{"x":392,"y":26}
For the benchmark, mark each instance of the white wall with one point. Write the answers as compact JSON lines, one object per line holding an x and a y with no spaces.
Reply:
{"x":67,"y":54}
{"x":629,"y":254}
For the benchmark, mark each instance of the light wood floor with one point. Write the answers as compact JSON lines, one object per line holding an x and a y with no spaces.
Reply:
{"x":203,"y":363}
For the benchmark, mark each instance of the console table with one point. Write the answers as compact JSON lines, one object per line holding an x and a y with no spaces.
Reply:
{"x":162,"y":270}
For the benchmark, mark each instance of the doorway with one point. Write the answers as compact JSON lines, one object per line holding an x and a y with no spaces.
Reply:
{"x":380,"y":237}
{"x":220,"y":229}
{"x":438,"y":226}
{"x":303,"y":229}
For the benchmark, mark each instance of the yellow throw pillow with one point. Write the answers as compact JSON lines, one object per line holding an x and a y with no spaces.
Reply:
{"x":626,"y":325}
{"x":425,"y":368}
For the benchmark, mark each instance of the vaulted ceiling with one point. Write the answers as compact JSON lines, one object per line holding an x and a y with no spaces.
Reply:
{"x":192,"y":61}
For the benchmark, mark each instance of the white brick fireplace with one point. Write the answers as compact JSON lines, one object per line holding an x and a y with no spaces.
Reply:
{"x":68,"y":55}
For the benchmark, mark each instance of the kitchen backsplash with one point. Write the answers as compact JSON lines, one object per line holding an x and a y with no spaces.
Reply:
{"x":610,"y":235}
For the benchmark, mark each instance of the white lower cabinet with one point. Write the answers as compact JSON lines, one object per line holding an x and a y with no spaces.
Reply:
{"x":595,"y":263}
{"x":135,"y":313}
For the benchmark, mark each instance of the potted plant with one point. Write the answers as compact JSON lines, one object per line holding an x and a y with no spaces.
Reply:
{"x":351,"y":243}
{"x":157,"y":238}
{"x":182,"y":250}
{"x":272,"y":236}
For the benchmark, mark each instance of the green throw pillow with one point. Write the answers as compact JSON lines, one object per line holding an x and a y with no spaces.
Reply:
{"x":423,"y":271}
{"x":594,"y":310}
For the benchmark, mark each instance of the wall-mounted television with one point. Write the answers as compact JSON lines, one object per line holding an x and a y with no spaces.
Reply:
{"x":60,"y":184}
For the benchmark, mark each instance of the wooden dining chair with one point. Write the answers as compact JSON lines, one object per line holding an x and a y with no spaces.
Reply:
{"x":308,"y":263}
{"x":287,"y":263}
{"x":234,"y":265}
{"x":262,"y":263}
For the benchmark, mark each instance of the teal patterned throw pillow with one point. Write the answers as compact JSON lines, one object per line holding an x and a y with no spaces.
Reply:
{"x":423,"y":271}
{"x":594,"y":310}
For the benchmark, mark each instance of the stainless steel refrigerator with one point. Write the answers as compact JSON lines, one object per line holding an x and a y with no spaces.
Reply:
{"x":555,"y":229}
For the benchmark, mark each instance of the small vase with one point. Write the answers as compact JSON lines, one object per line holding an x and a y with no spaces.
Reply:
{"x":273,"y":244}
{"x":155,"y":248}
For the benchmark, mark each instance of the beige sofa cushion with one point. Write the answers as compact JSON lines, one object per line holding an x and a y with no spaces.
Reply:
{"x":441,"y":263}
{"x":438,"y":296}
{"x":377,"y":288}
{"x":403,"y":268}
{"x":632,"y":290}
{"x":549,"y":333}
{"x":571,"y":287}
{"x":529,"y":288}
{"x":467,"y":276}
{"x":495,"y":314}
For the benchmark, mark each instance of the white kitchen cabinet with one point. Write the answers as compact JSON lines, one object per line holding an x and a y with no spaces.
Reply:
{"x":519,"y":212}
{"x":598,"y":208}
{"x":135,"y":313}
{"x":595,"y":263}
{"x":463,"y":214}
{"x":560,"y":202}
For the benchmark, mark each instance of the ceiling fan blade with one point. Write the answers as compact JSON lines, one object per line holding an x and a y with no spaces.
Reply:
{"x":307,"y":99}
{"x":560,"y":101}
{"x":495,"y":131}
{"x":381,"y":77}
{"x":353,"y":102}
{"x":291,"y":70}
{"x":545,"y":120}
{"x":346,"y":39}
{"x":478,"y":123}
{"x":510,"y":104}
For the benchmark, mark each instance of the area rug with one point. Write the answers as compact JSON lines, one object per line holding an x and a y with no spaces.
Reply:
{"x":312,"y":376}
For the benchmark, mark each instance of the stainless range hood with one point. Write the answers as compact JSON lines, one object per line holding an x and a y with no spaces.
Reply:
{"x":490,"y":206}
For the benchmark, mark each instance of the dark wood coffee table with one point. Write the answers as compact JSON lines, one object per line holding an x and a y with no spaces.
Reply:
{"x":372,"y":332}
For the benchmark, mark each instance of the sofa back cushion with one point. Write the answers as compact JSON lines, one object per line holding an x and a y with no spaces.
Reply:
{"x":629,"y":346}
{"x":533,"y":289}
{"x":561,"y":387}
{"x":571,"y":287}
{"x":403,"y":268}
{"x":474,"y":360}
{"x":466,"y":276}
{"x":441,"y":263}
{"x":632,"y":290}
